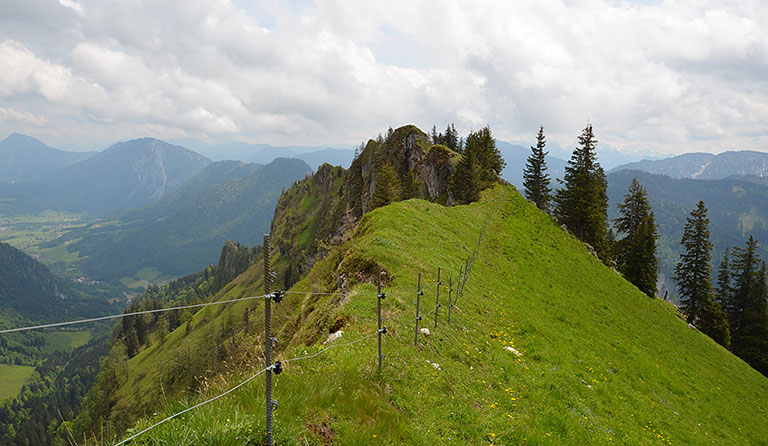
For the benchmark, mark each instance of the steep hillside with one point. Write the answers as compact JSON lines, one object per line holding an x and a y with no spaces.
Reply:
{"x":545,"y":346}
{"x":184,"y":232}
{"x":705,"y":166}
{"x":25,"y":159}
{"x":737,"y":209}
{"x":30,"y":294}
{"x":128,"y":174}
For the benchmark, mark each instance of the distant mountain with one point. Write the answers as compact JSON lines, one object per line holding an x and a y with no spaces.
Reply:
{"x":126,"y":175}
{"x":25,"y":159}
{"x":750,"y":179}
{"x":334,"y":157}
{"x":517,"y":156}
{"x":184,"y":231}
{"x":737,"y":209}
{"x":705,"y":166}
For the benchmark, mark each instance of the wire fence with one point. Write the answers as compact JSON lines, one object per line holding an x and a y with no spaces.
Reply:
{"x":404,"y":323}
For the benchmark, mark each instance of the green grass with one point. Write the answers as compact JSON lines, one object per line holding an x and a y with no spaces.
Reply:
{"x":601,"y":363}
{"x":65,"y":341}
{"x":13,"y":378}
{"x":29,"y":231}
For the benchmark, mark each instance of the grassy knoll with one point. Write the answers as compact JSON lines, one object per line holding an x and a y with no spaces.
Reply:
{"x":13,"y":378}
{"x":599,"y":363}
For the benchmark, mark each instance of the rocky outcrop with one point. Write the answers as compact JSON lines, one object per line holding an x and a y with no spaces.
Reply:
{"x":233,"y":261}
{"x":320,"y":211}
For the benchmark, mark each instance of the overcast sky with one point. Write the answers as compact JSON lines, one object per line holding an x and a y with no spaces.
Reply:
{"x":651,"y":76}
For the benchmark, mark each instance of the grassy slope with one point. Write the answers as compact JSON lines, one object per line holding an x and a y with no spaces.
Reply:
{"x":601,"y":363}
{"x":14,"y":377}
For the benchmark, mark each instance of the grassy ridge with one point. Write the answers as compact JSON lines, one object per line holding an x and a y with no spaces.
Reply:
{"x":601,"y":363}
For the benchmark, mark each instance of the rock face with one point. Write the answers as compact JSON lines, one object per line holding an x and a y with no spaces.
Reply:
{"x":321,"y":210}
{"x":234,"y":260}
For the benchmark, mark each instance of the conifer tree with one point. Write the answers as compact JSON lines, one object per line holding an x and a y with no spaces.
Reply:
{"x":724,"y":289}
{"x":749,"y":307}
{"x":636,"y":253}
{"x":693,"y":272}
{"x":582,"y":204}
{"x":479,"y":167}
{"x":465,"y":184}
{"x":387,"y":186}
{"x":535,"y":176}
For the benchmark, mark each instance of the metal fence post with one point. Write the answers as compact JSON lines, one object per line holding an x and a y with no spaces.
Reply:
{"x":268,"y":335}
{"x":379,"y":297}
{"x":437,"y":300}
{"x":418,"y":318}
{"x":450,"y":291}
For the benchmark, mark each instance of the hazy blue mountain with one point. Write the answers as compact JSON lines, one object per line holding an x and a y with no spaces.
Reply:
{"x":184,"y":231}
{"x":127,"y":174}
{"x":334,"y":157}
{"x":516,"y":156}
{"x":737,"y":209}
{"x":25,"y":159}
{"x":705,"y":165}
{"x":750,"y":179}
{"x":187,"y":193}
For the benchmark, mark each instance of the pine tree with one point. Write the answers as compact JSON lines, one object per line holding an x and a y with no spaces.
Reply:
{"x":693,"y":273}
{"x":582,"y":204}
{"x":465,"y":184}
{"x":479,"y":167}
{"x":714,"y":323}
{"x":749,"y":307}
{"x":636,"y":253}
{"x":535,"y":176}
{"x":724,"y":289}
{"x":387,"y":186}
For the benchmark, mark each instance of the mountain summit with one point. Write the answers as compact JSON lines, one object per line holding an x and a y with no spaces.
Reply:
{"x":24,"y":159}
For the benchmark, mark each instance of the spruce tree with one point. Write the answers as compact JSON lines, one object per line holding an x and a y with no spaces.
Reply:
{"x":636,"y":253}
{"x":535,"y":176}
{"x":387,"y":186}
{"x":693,"y":272}
{"x":465,"y":184}
{"x":724,"y":289}
{"x":749,"y":308}
{"x":479,"y":167}
{"x":582,"y":204}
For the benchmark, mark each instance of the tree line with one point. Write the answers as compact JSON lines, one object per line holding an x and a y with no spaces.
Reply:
{"x":734,"y":312}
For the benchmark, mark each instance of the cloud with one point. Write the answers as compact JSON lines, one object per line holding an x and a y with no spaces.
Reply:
{"x":668,"y":76}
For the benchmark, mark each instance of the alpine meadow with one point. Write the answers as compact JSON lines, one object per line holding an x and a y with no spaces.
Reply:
{"x":245,"y":223}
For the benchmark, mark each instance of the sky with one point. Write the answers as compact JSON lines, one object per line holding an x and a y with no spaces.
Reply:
{"x":652,"y":77}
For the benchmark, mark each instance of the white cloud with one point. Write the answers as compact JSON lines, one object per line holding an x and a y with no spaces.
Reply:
{"x":670,"y":76}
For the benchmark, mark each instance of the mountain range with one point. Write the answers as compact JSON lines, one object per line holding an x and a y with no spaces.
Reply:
{"x":127,"y":174}
{"x":705,"y":166}
{"x":184,"y":230}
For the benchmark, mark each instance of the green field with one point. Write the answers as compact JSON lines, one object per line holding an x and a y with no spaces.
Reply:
{"x":12,"y":378}
{"x":143,"y":278}
{"x":27,"y":232}
{"x":546,"y":346}
{"x":65,"y":341}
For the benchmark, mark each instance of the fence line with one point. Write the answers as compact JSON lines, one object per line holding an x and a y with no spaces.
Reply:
{"x":157,"y":310}
{"x":241,"y":385}
{"x":463,"y":276}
